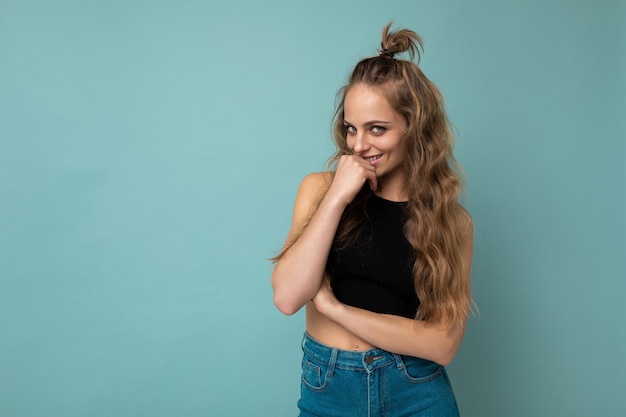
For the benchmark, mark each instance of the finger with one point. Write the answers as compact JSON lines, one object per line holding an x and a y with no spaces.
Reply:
{"x":373,"y":181}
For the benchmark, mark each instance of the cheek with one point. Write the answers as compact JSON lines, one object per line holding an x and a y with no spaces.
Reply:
{"x":399,"y":150}
{"x":395,"y":145}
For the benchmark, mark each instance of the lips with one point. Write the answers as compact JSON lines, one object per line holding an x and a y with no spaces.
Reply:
{"x":372,"y":158}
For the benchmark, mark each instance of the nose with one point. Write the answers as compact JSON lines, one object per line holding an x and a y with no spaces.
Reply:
{"x":360,"y":143}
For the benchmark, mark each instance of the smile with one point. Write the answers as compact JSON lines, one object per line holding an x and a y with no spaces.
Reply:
{"x":373,"y":158}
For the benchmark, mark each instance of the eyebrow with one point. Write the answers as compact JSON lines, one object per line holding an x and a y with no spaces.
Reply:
{"x":370,"y":123}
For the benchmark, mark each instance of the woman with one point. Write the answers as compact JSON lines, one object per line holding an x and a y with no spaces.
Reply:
{"x":379,"y":250}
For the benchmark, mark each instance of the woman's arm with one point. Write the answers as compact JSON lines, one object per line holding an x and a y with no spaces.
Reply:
{"x":298,"y":274}
{"x":436,"y":342}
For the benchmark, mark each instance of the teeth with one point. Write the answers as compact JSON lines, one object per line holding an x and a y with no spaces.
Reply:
{"x":373,"y":158}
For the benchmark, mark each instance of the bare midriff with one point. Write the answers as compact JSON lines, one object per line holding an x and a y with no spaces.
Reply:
{"x":329,"y":333}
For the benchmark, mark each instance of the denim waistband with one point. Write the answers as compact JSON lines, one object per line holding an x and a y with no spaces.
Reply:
{"x":347,"y":359}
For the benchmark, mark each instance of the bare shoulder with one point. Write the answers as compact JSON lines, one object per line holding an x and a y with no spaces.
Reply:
{"x":310,"y":193}
{"x":315,"y":183}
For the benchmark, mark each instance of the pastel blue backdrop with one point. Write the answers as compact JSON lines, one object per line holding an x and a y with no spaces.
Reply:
{"x":149,"y":156}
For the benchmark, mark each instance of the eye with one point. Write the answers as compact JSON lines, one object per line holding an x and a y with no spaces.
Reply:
{"x":350,"y":129}
{"x":378,"y":130}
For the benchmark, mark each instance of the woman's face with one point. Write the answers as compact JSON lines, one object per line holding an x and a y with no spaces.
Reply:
{"x":375,"y":132}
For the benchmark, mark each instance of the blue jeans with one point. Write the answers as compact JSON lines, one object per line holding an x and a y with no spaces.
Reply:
{"x":374,"y":383}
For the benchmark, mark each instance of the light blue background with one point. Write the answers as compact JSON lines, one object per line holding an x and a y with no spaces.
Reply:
{"x":149,"y":156}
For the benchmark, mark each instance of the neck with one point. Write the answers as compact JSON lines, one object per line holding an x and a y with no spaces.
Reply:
{"x":392,"y":193}
{"x":393,"y":186}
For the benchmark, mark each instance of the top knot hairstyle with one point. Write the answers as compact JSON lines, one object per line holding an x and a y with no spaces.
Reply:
{"x":436,"y":220}
{"x":401,"y":41}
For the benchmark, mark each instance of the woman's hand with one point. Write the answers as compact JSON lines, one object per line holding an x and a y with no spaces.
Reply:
{"x":352,"y":172}
{"x":325,"y":299}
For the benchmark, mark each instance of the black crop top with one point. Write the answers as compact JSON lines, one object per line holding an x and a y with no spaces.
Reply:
{"x":375,"y":272}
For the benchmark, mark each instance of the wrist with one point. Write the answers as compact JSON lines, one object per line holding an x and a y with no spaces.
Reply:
{"x":334,"y":310}
{"x":334,"y":200}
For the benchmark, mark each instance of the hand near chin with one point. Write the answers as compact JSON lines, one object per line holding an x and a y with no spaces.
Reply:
{"x":352,"y":172}
{"x":325,"y":299}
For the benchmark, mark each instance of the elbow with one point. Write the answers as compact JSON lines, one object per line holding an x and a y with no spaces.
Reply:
{"x":450,"y":343}
{"x":447,"y":354}
{"x":445,"y":350}
{"x":445,"y":359}
{"x":285,"y":305}
{"x":284,"y":298}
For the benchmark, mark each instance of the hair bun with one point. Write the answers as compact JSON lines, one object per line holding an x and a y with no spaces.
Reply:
{"x":399,"y":41}
{"x":387,"y":53}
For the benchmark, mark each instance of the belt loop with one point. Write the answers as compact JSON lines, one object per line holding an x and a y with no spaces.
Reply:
{"x":332,"y":361}
{"x":399,"y":361}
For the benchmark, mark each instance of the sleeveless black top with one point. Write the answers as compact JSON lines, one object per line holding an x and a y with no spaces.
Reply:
{"x":375,"y":271}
